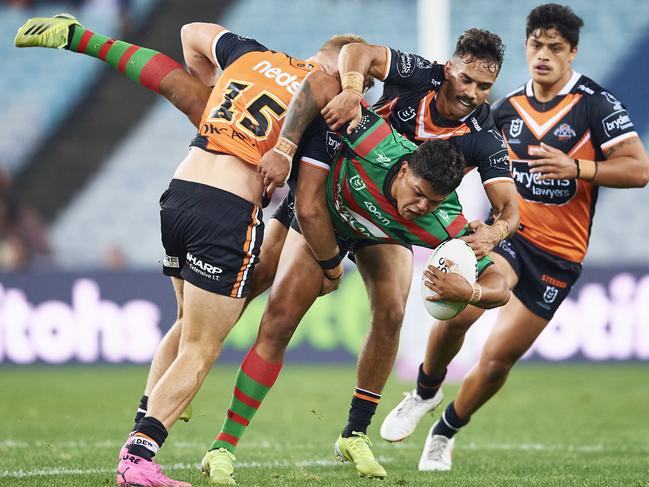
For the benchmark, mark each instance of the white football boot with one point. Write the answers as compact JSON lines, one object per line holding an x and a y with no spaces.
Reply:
{"x":402,"y":420}
{"x":437,"y":453}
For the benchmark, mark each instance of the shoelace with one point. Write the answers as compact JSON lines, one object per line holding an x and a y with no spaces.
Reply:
{"x":408,"y":404}
{"x":437,"y":446}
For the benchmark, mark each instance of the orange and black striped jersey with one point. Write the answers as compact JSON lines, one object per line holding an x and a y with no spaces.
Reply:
{"x":582,"y":121}
{"x":410,"y":87}
{"x":244,"y":114}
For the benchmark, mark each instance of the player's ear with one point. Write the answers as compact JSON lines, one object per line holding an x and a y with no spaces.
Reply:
{"x":447,"y":69}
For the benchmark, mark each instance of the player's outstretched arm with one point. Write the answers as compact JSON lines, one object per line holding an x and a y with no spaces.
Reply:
{"x":356,"y":62}
{"x":316,"y":90}
{"x":490,"y":291}
{"x":147,"y":67}
{"x":315,"y":223}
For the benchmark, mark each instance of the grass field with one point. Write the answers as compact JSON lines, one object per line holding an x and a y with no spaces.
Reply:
{"x":552,"y":425}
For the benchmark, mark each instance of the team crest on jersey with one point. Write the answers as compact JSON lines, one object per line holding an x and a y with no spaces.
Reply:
{"x":405,"y":64}
{"x":407,"y":114}
{"x":516,"y":127}
{"x":357,"y":183}
{"x":550,"y":294}
{"x":564,"y":132}
{"x":332,"y":143}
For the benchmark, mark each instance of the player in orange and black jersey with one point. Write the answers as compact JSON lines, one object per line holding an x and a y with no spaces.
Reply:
{"x":566,"y":136}
{"x":423,"y":101}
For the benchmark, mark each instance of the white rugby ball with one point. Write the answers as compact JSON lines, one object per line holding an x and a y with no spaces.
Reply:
{"x":464,"y":263}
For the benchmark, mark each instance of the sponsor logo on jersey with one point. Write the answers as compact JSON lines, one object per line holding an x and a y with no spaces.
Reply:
{"x":288,"y":81}
{"x":564,"y":132}
{"x":616,"y":123}
{"x":170,"y":261}
{"x":516,"y":127}
{"x":332,"y":143}
{"x":405,"y":64}
{"x":553,"y":281}
{"x":423,"y":63}
{"x":407,"y":114}
{"x":444,"y":214}
{"x":550,"y":294}
{"x":499,"y":160}
{"x":549,"y":191}
{"x":617,"y":105}
{"x":203,"y":268}
{"x":357,"y":183}
{"x":381,"y":157}
{"x":507,"y":247}
{"x":585,"y":89}
{"x":371,"y":207}
{"x":475,"y":124}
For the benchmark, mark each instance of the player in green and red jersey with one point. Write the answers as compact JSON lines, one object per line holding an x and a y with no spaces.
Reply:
{"x":381,"y":189}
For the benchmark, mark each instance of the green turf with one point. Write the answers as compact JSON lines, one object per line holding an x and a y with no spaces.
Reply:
{"x":551,"y":425}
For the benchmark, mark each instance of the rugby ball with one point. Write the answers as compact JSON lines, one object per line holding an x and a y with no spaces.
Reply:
{"x":464,"y":263}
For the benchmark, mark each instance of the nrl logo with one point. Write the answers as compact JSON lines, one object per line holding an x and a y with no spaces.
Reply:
{"x":564,"y":132}
{"x":516,"y":127}
{"x":357,"y":183}
{"x":550,"y":294}
{"x":406,"y":114}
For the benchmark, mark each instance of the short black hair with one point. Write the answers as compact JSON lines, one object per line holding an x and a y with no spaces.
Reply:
{"x":555,"y":16}
{"x":439,"y":163}
{"x":481,"y":44}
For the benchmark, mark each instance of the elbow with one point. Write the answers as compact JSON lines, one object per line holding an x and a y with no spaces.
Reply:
{"x":643,"y":176}
{"x":186,"y":32}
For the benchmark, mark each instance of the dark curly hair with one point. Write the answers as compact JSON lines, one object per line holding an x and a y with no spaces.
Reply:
{"x":555,"y":16}
{"x":481,"y":44}
{"x":439,"y":163}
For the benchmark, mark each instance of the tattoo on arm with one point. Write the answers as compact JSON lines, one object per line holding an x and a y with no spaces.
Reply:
{"x":608,"y":153}
{"x":301,"y":111}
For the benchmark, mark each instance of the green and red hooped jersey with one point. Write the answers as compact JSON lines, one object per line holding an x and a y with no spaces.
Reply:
{"x":358,"y":193}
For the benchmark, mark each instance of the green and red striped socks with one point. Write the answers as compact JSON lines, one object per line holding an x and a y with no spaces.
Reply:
{"x":144,"y":66}
{"x":254,"y":380}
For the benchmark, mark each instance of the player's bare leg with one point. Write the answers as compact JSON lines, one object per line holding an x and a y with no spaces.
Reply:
{"x":515,"y":331}
{"x":296,"y":286}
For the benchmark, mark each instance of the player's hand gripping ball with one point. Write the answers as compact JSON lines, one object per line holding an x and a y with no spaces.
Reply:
{"x":464,"y":264}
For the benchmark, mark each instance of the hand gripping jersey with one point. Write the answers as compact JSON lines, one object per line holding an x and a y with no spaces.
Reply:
{"x":411,"y":84}
{"x":582,"y":121}
{"x":358,"y":191}
{"x":244,"y":114}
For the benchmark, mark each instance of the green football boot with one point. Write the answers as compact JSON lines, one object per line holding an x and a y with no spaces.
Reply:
{"x":53,"y":32}
{"x":218,"y":466}
{"x":356,"y":449}
{"x":186,"y":415}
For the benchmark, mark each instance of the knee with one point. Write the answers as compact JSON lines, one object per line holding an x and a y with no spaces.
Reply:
{"x":386,"y":321}
{"x":201,"y":354}
{"x":495,"y":369}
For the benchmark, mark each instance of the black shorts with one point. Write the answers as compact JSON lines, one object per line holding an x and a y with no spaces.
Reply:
{"x":544,"y":280}
{"x":285,"y":211}
{"x":349,"y":246}
{"x":211,"y":237}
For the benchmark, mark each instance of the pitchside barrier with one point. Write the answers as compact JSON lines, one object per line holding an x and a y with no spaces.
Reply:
{"x":119,"y":317}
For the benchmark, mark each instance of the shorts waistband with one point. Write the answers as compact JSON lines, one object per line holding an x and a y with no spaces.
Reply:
{"x":209,"y":192}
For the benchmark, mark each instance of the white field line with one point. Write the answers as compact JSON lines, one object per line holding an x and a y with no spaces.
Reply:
{"x":60,"y":471}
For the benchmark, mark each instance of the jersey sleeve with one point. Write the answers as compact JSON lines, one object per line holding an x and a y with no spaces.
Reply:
{"x":374,"y":140}
{"x":318,"y":146}
{"x":488,"y":153}
{"x":408,"y":70}
{"x":228,"y":47}
{"x":609,"y":120}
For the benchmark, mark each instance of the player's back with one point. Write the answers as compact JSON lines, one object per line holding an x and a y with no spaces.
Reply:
{"x":246,"y":108}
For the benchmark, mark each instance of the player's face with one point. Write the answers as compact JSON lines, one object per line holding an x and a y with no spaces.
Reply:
{"x":468,"y":84}
{"x":549,"y":57}
{"x":413,"y":194}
